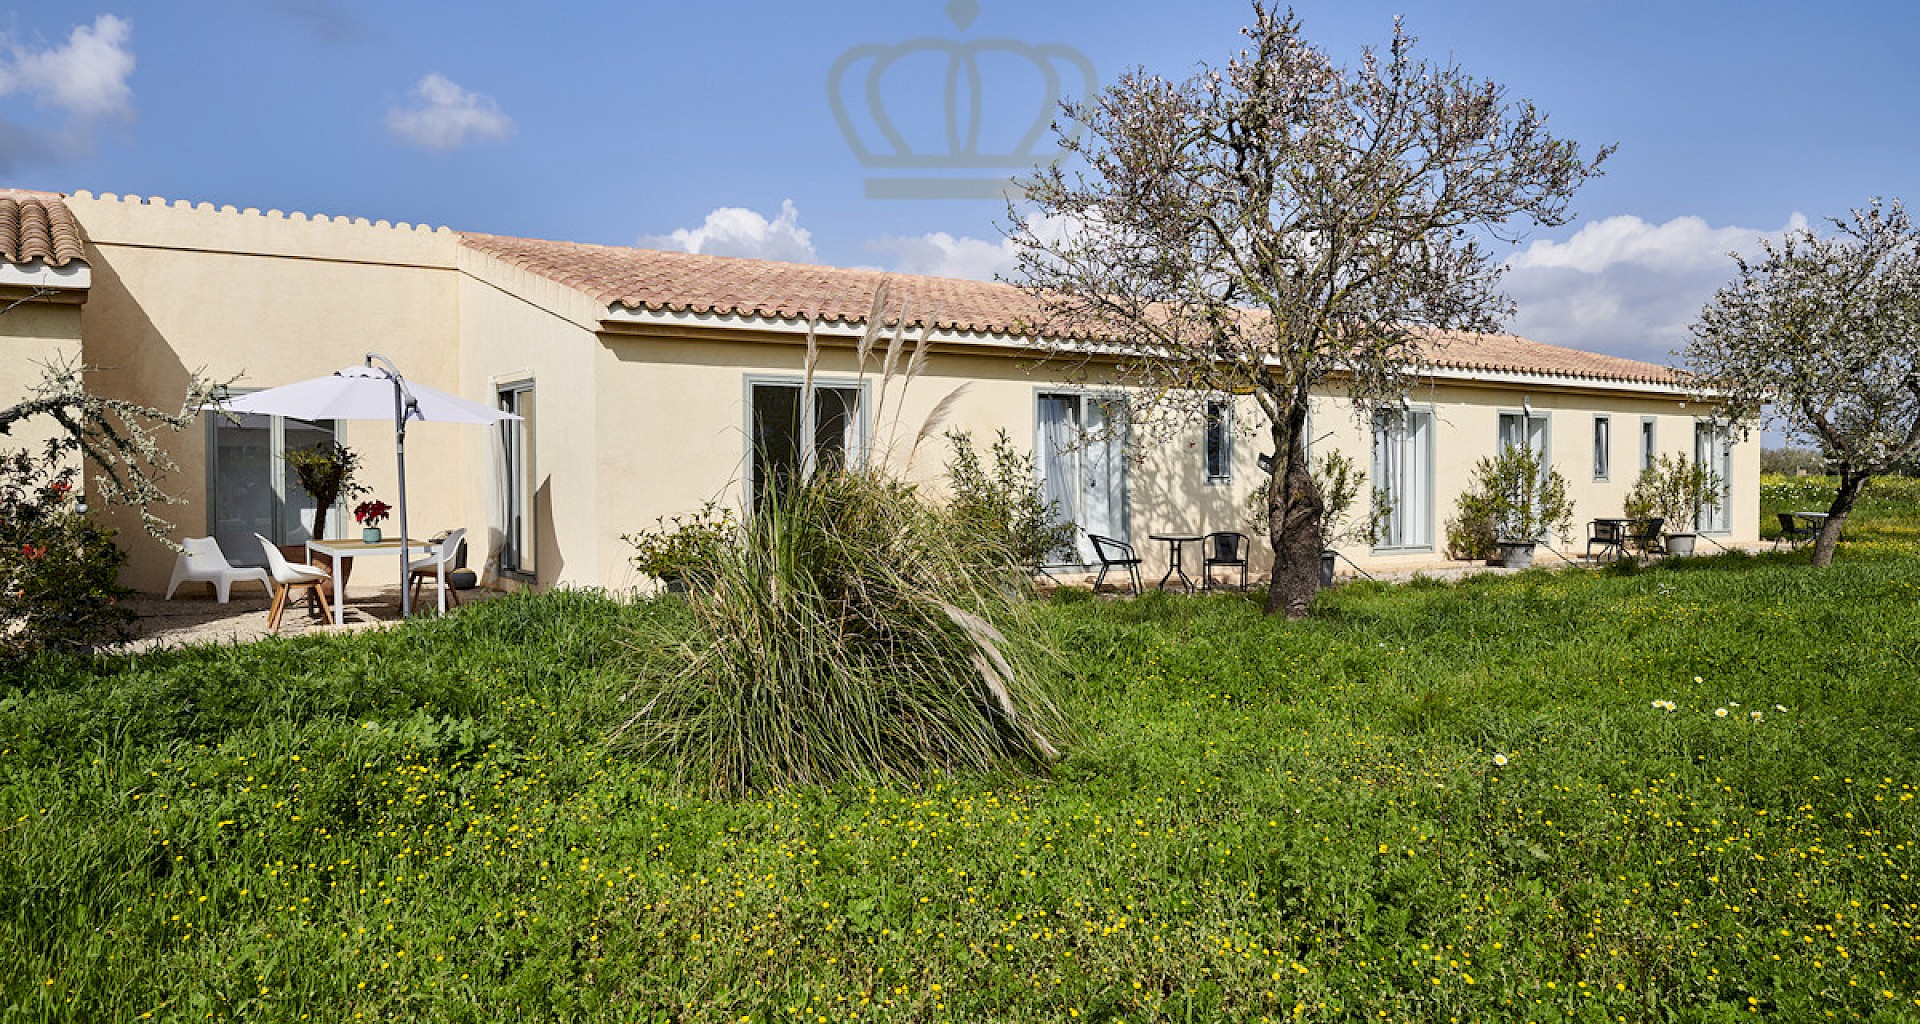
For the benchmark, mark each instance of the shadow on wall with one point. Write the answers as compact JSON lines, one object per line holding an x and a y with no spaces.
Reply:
{"x":133,"y":360}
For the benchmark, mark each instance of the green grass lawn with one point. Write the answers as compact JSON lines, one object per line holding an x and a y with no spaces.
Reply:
{"x":1261,"y":820}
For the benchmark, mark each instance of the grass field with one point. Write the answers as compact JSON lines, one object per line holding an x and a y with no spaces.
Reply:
{"x":1431,"y":802}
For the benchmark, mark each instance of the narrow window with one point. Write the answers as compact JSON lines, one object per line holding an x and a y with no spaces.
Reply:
{"x":1219,"y":442}
{"x":1602,"y":446}
{"x":793,"y":436}
{"x":518,"y":528}
{"x":251,"y":489}
{"x":1646,"y":443}
{"x":1403,"y":476}
{"x":1713,"y":449}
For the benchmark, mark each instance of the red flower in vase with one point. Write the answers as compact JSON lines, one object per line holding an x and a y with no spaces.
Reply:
{"x":370,"y":513}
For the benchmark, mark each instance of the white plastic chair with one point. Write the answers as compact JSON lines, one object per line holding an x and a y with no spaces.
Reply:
{"x":202,"y":561}
{"x":435,"y":566}
{"x":288,"y":578}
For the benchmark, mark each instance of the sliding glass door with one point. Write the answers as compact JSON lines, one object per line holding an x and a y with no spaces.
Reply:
{"x":251,"y":489}
{"x":1082,"y":441}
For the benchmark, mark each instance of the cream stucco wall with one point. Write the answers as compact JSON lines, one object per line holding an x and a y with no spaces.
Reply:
{"x":38,"y":332}
{"x":268,"y":300}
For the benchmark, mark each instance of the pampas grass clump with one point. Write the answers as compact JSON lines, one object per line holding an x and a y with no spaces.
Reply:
{"x":845,"y":636}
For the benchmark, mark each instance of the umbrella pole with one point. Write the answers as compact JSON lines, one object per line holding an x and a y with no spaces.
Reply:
{"x":400,"y":413}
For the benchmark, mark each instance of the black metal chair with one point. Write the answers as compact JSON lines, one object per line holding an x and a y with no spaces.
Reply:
{"x":1223,"y":548}
{"x":1644,"y":534}
{"x":1609,"y":535}
{"x":1793,"y":531}
{"x":1114,"y":554}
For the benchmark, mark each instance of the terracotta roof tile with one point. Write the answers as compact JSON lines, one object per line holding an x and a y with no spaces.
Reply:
{"x":647,"y":279}
{"x":38,"y":226}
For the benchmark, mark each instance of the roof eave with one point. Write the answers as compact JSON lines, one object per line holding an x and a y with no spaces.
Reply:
{"x":73,"y":276}
{"x":623,"y":319}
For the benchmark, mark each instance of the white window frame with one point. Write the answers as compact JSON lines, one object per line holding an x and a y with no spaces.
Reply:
{"x":1421,"y":450}
{"x":1649,"y":442}
{"x":1718,"y":522}
{"x":1602,"y":447}
{"x":518,"y":437}
{"x":863,"y":426}
{"x":1224,"y":424}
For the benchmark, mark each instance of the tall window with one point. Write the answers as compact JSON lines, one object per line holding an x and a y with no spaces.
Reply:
{"x":1602,"y":446}
{"x":1646,"y":443}
{"x":793,"y":436}
{"x":1219,"y":442}
{"x":517,"y":479}
{"x":1403,"y":473}
{"x":251,"y":489}
{"x":1713,"y":448}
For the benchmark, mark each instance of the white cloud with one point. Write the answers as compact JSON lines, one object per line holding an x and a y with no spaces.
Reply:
{"x":939,"y":254}
{"x":1624,"y":286}
{"x":86,"y":78}
{"x":737,"y":231}
{"x":448,"y":116}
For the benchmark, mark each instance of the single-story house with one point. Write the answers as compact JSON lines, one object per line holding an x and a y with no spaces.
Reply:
{"x":647,"y":379}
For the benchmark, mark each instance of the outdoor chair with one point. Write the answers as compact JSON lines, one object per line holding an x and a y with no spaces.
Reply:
{"x":1610,"y":536}
{"x":435,"y":568}
{"x":202,"y":561}
{"x":1224,"y":548}
{"x":288,"y":578}
{"x":1115,"y":554}
{"x":1793,"y":531}
{"x":1644,"y":535}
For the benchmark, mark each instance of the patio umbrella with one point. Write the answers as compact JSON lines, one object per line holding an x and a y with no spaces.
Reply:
{"x":370,"y":392}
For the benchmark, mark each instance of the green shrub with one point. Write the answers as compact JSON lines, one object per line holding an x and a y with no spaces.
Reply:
{"x":326,"y":472}
{"x":843,"y":635}
{"x":683,"y":548}
{"x":1676,"y":490}
{"x":1002,"y":510}
{"x":1470,"y":530}
{"x":1514,"y":496}
{"x":59,"y":573}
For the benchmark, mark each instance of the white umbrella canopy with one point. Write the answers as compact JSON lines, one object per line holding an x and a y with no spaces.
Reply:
{"x":369,"y":392}
{"x":362,"y":393}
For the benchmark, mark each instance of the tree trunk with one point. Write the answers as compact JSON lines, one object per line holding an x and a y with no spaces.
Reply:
{"x":1851,"y":484}
{"x":1293,"y":520}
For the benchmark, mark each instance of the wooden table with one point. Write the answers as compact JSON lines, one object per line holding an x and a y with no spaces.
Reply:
{"x":1175,"y":541}
{"x":351,"y":549}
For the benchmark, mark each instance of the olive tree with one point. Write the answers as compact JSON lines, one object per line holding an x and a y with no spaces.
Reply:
{"x":1822,"y":336}
{"x":1281,"y":222}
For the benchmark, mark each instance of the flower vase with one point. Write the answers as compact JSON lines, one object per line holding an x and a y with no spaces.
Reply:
{"x":370,"y":534}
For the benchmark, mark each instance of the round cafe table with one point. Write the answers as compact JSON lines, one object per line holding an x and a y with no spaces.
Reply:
{"x":1175,"y":542}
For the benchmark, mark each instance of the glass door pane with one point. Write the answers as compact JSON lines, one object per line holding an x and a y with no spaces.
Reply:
{"x":242,"y":487}
{"x":776,"y":432}
{"x":296,"y":510}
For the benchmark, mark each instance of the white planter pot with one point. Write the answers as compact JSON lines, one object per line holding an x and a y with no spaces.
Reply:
{"x":1680,"y":545}
{"x":1516,"y":554}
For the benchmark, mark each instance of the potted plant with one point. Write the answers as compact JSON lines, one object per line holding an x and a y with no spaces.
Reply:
{"x":370,"y":514}
{"x":326,"y":472}
{"x":1340,"y":481}
{"x":1676,"y":490}
{"x":681,"y":550}
{"x":1526,"y":501}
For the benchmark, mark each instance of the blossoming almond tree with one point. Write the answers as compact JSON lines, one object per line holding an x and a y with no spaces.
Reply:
{"x":1824,"y":333}
{"x":1281,"y":221}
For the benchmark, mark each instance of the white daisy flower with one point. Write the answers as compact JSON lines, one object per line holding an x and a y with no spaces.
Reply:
{"x":1499,"y":760}
{"x":1720,"y":713}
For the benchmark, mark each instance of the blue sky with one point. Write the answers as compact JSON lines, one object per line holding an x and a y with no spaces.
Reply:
{"x":709,"y":126}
